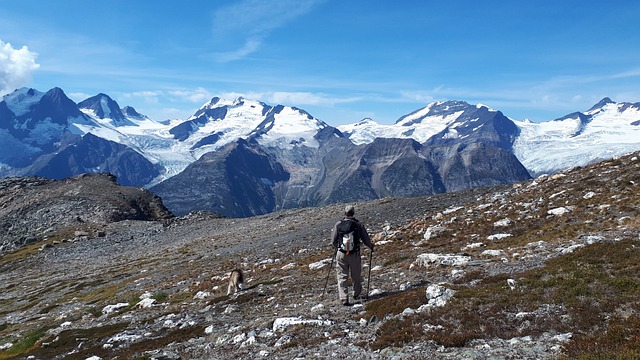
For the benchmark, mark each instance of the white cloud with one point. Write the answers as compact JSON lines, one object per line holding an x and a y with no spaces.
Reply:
{"x":307,"y":98}
{"x":291,"y":98}
{"x":199,"y":95}
{"x":151,"y":97}
{"x":253,"y":20}
{"x":16,"y":67}
{"x":250,"y":46}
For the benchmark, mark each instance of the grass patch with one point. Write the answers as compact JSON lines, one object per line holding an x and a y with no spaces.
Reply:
{"x":397,"y":332}
{"x":160,"y":296}
{"x":396,"y":303}
{"x":27,"y":343}
{"x":67,"y":341}
{"x":579,"y":293}
{"x":621,"y":340}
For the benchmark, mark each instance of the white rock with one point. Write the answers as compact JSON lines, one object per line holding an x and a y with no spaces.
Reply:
{"x":263,"y":353}
{"x":502,"y":223}
{"x":94,"y":358}
{"x":589,"y":195}
{"x":376,"y":292}
{"x":452,"y":209}
{"x":283,"y":341}
{"x":318,"y":307}
{"x":563,"y":337}
{"x":511,"y":283}
{"x":570,"y":249}
{"x":559,"y":211}
{"x":472,"y":246}
{"x":145,"y":303}
{"x":230,"y":309}
{"x":429,"y":327}
{"x":113,"y":308}
{"x":433,"y":231}
{"x":498,"y":237}
{"x":6,"y":346}
{"x":124,"y":338}
{"x":493,"y":252}
{"x":592,"y":239}
{"x":251,"y":339}
{"x":319,"y":264}
{"x":438,"y":295}
{"x":557,"y":194}
{"x":202,"y":295}
{"x":239,"y":338}
{"x":281,"y":324}
{"x":209,"y":330}
{"x":169,"y":324}
{"x":289,"y":266}
{"x":408,"y":311}
{"x":441,"y":259}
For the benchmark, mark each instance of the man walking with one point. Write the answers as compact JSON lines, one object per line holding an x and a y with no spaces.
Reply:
{"x":347,"y":235}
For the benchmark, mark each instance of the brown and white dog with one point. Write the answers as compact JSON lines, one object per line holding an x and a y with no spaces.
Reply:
{"x":236,"y":280}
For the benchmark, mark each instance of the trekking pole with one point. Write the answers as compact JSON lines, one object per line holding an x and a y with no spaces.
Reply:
{"x":326,"y":282}
{"x":369,"y":277}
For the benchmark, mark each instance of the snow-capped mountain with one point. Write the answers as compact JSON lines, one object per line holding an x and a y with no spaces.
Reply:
{"x":242,"y":157}
{"x":419,"y":125}
{"x":32,"y":123}
{"x":171,"y":146}
{"x":606,"y":130}
{"x":439,"y":122}
{"x":221,"y":121}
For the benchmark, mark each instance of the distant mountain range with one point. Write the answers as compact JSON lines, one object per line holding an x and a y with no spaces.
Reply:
{"x":242,"y":158}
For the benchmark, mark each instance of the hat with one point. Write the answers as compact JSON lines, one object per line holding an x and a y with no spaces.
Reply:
{"x":349,"y":210}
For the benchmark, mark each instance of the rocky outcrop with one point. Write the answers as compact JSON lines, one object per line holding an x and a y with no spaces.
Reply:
{"x":33,"y":209}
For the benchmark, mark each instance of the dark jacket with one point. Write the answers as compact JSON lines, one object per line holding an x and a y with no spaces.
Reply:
{"x":363,"y":236}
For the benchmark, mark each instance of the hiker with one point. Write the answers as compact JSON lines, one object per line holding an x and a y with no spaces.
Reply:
{"x":347,"y":235}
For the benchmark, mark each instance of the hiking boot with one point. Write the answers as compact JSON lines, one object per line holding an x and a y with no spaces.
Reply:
{"x":345,"y":302}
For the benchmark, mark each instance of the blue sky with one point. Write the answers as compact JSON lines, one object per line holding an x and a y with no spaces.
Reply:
{"x":339,"y":60}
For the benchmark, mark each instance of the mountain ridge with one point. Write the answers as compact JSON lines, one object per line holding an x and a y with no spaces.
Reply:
{"x":454,"y":138}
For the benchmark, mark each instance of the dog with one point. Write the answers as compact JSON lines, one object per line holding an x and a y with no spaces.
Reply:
{"x":236,"y":280}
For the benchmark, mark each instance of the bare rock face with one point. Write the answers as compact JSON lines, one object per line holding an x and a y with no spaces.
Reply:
{"x":33,"y":208}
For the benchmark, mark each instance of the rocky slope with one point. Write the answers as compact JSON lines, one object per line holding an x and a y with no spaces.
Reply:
{"x":35,"y":209}
{"x":533,"y":270}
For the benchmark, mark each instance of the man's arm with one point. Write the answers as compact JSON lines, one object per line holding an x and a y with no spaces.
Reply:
{"x":334,"y":235}
{"x":364,"y":236}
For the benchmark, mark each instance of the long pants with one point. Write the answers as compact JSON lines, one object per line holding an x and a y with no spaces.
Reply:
{"x":345,"y":265}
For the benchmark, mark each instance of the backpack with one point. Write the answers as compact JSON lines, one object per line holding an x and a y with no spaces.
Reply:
{"x":348,"y":237}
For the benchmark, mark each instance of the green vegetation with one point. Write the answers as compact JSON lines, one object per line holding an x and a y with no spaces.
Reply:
{"x":25,"y":344}
{"x":591,"y":293}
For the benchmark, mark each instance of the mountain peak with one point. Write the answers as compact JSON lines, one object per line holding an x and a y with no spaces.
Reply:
{"x":435,"y":109}
{"x":601,"y":104}
{"x":131,"y":112}
{"x":104,"y":107}
{"x":21,"y":100}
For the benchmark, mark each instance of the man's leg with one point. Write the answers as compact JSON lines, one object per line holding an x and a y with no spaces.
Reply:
{"x":342,"y":273}
{"x":356,"y":269}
